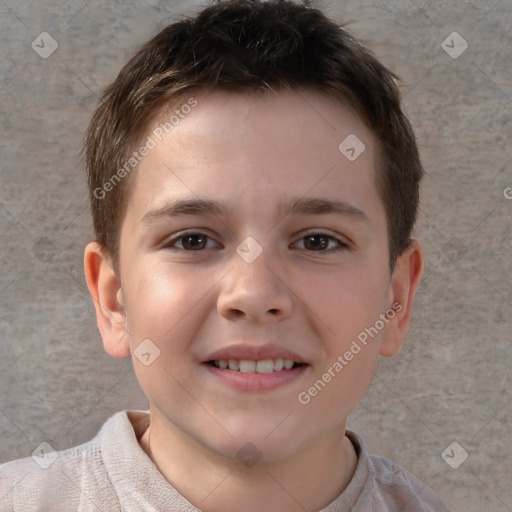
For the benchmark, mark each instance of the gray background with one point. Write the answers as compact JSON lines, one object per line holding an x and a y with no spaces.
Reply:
{"x":451,"y":381}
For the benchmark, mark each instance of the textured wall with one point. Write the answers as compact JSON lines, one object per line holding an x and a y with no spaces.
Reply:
{"x":451,"y":381}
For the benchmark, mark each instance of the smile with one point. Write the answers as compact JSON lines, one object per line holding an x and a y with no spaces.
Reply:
{"x":256,"y":376}
{"x":261,"y":366}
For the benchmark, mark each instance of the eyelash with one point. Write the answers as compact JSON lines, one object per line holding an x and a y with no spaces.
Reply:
{"x":341,"y":245}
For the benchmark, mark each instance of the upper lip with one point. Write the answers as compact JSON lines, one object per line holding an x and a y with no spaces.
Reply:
{"x":253,"y":352}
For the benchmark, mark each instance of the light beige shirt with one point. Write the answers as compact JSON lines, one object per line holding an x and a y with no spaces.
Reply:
{"x":112,"y":472}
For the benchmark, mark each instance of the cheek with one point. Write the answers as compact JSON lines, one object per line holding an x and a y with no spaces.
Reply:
{"x":158,"y":302}
{"x":348,"y":305}
{"x":339,"y":389}
{"x":346,"y":302}
{"x":162,"y":320}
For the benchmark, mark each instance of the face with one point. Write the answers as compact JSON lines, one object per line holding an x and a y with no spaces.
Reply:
{"x":249,"y":236}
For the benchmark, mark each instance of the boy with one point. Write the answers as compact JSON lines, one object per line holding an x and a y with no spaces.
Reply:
{"x":253,"y":185}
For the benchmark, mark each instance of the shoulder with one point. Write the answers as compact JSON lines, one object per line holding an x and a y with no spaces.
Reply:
{"x":70,"y":479}
{"x":51,"y":481}
{"x":389,"y":487}
{"x":405,"y":489}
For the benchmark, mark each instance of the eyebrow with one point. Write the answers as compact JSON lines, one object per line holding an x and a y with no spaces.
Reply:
{"x":295,"y":206}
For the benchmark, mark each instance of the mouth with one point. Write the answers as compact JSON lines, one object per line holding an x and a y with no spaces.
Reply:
{"x":260,"y":366}
{"x":256,"y":367}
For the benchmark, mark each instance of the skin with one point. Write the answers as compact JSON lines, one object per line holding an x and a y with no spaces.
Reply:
{"x":250,"y":152}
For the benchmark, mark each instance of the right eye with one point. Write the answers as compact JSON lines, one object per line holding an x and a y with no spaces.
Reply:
{"x":191,"y":241}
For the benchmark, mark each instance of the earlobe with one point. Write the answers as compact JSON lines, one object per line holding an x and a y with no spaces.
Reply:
{"x":105,"y":289}
{"x":404,"y":283}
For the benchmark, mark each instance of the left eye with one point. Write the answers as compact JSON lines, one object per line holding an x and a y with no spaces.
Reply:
{"x":321,"y":241}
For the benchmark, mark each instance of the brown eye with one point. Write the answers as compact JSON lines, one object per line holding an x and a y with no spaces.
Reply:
{"x":322,"y":242}
{"x":194,"y":242}
{"x":189,"y":242}
{"x":316,"y":242}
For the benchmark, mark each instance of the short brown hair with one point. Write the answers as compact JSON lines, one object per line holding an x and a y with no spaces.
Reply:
{"x":251,"y":45}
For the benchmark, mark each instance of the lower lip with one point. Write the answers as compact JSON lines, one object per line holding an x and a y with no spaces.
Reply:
{"x":257,"y":381}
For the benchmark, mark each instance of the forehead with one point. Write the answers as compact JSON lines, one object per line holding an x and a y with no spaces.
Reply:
{"x":252,"y":149}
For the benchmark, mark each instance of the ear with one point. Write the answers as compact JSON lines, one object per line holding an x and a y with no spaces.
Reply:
{"x":105,"y":289}
{"x":404,"y":282}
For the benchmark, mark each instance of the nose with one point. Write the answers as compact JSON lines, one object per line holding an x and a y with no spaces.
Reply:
{"x":255,"y":291}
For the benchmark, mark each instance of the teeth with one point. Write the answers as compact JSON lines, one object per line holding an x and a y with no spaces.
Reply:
{"x":247,"y":366}
{"x":288,"y":363}
{"x":263,"y":366}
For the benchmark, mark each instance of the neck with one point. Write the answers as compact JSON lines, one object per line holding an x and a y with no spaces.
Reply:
{"x":307,"y":480}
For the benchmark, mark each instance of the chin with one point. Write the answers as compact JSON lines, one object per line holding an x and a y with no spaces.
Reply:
{"x":250,"y":453}
{"x":259,"y":446}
